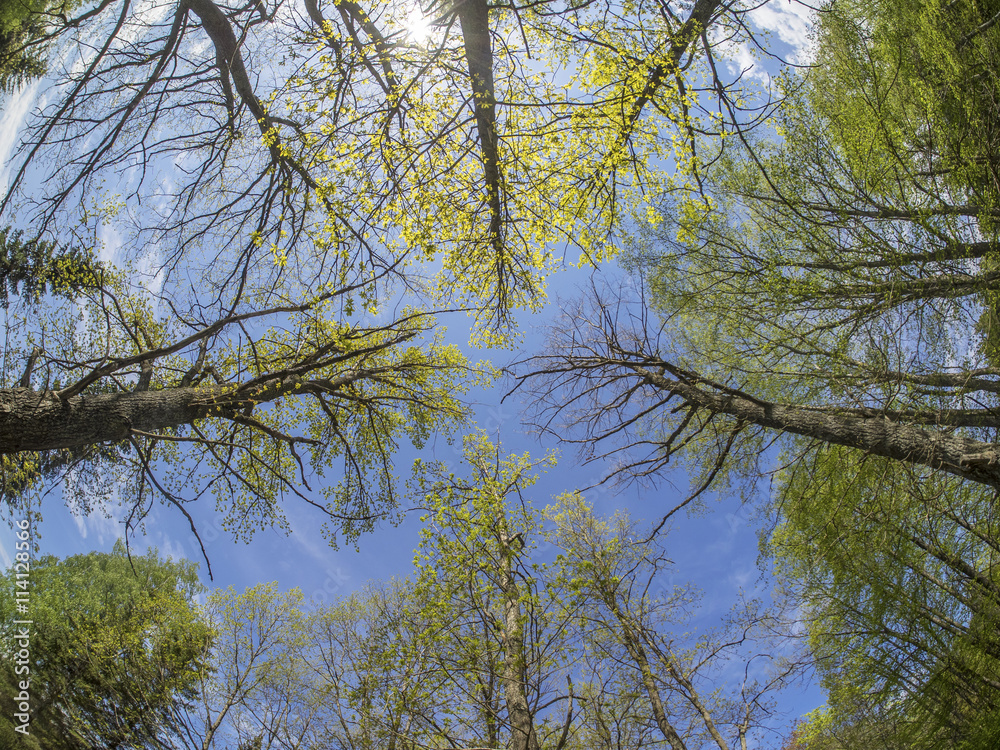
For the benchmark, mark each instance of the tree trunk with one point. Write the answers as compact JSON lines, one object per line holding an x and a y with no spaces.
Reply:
{"x":632,"y":638}
{"x":39,"y":420}
{"x":970,"y":459}
{"x":522,"y":727}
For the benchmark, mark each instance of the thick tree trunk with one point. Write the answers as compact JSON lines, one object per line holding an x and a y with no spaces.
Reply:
{"x":40,"y":420}
{"x":877,"y":434}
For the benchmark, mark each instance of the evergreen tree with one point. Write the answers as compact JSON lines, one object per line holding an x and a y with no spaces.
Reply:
{"x":34,"y":267}
{"x":116,"y":645}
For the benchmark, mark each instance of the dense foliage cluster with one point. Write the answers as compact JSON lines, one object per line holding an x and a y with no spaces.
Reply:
{"x":116,"y":645}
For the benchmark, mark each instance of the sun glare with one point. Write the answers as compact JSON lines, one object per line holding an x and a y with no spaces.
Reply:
{"x":418,"y":28}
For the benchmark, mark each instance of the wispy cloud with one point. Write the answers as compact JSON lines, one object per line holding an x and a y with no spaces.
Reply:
{"x":175,"y":549}
{"x":100,"y":522}
{"x":792,"y":23}
{"x":789,"y":22}
{"x":14,"y":108}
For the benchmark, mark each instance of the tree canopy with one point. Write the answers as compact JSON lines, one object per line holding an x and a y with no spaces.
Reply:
{"x":250,"y":222}
{"x":490,"y":642}
{"x":116,"y":644}
{"x":829,"y":295}
{"x":286,"y":201}
{"x":358,"y":145}
{"x":832,"y":281}
{"x":24,"y":28}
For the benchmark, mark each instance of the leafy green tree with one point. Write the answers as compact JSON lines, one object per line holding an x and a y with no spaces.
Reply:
{"x":246,"y":684}
{"x":116,"y":646}
{"x":28,"y":29}
{"x":253,"y":405}
{"x":825,"y":283}
{"x":22,"y":26}
{"x":490,"y":644}
{"x":829,"y":292}
{"x":30,"y":270}
{"x":378,"y":677}
{"x":896,"y":574}
{"x":363,"y":145}
{"x":476,"y":579}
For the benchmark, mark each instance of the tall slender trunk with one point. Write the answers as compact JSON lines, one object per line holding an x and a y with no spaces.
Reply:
{"x":632,"y":638}
{"x":523,"y":735}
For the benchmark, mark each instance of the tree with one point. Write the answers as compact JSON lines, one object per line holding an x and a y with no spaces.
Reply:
{"x":116,"y":643}
{"x":474,"y":575}
{"x":251,"y":404}
{"x":257,"y":635}
{"x":22,"y":31}
{"x":830,"y":293}
{"x":237,"y":351}
{"x":359,"y":144}
{"x":377,"y":672}
{"x":31,"y":269}
{"x":612,"y":565}
{"x":489,"y":644}
{"x":896,"y":572}
{"x":824,"y":286}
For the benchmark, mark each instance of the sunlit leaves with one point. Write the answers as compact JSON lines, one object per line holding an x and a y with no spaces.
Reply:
{"x":578,"y":151}
{"x":116,"y":647}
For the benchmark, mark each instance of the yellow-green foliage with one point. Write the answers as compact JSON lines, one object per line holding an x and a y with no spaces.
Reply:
{"x":577,"y":158}
{"x":488,"y":613}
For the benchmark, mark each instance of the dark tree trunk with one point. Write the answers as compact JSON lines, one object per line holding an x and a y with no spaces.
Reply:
{"x":40,"y":420}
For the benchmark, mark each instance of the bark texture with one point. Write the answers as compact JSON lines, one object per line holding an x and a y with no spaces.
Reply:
{"x":40,"y":420}
{"x":875,"y":433}
{"x":522,"y":727}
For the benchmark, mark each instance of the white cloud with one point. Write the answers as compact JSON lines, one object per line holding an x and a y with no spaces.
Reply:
{"x":742,"y":61}
{"x":110,"y":242}
{"x":100,"y":521}
{"x":151,"y":272}
{"x":744,"y":577}
{"x":788,"y":21}
{"x":791,"y":22}
{"x":174,"y":549}
{"x":104,"y":527}
{"x":14,"y":109}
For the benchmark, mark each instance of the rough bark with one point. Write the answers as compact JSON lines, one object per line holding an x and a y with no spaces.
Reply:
{"x":40,"y":420}
{"x":523,"y":735}
{"x":877,"y":434}
{"x":474,"y":18}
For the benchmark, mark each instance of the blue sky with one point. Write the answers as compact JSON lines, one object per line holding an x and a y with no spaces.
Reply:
{"x":716,"y":549}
